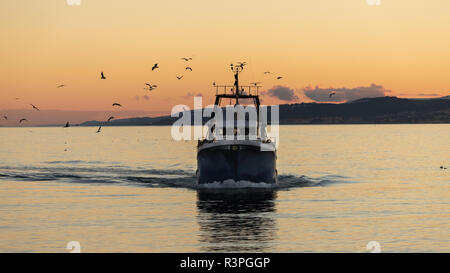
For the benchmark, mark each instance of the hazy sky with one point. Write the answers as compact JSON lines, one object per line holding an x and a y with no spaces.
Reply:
{"x":401,"y":46}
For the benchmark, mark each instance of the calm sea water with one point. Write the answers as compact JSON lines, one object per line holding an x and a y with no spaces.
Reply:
{"x":132,"y":189}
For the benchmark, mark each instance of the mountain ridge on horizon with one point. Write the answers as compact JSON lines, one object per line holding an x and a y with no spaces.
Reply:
{"x":379,"y":110}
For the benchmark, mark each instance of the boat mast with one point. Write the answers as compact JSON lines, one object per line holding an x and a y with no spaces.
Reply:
{"x":237,"y":69}
{"x":236,"y":93}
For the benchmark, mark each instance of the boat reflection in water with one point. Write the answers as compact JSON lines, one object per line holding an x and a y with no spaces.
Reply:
{"x":236,"y":220}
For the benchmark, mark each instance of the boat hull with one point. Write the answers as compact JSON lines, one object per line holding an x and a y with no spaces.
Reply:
{"x":237,"y":162}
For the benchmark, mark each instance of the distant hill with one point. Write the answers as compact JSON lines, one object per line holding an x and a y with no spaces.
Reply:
{"x":164,"y":120}
{"x":382,"y":110}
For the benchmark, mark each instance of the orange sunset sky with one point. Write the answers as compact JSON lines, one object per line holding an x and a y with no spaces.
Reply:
{"x":402,"y":46}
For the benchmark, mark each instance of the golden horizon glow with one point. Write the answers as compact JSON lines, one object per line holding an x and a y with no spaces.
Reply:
{"x":401,"y":45}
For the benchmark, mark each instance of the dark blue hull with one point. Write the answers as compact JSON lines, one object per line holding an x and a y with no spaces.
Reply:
{"x":236,"y":162}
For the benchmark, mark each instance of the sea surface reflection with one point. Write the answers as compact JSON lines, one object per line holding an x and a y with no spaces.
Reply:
{"x":236,"y":220}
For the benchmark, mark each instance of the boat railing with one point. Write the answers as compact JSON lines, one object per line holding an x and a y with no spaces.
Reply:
{"x":247,"y":90}
{"x":221,"y":135}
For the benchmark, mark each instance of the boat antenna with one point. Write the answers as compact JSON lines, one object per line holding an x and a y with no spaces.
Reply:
{"x":237,"y":68}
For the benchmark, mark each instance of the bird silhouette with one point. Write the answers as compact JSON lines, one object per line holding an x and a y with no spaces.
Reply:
{"x":279,"y":77}
{"x":242,"y":64}
{"x":186,"y":59}
{"x":67,"y":125}
{"x":155,"y":66}
{"x":332,"y":94}
{"x":24,"y":119}
{"x":267,"y":72}
{"x":117,"y":104}
{"x":61,"y":85}
{"x":109,"y":119}
{"x":99,"y":128}
{"x":102,"y":76}
{"x":255,"y":83}
{"x":179,"y":77}
{"x":34,"y":107}
{"x":150,"y":86}
{"x":188,"y":68}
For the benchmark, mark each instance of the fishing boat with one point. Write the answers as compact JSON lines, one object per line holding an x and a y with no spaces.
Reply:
{"x":237,"y":148}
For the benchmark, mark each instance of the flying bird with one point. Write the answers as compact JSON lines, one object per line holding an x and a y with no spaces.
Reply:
{"x":332,"y":94}
{"x":110,"y":118}
{"x":67,"y":125}
{"x":155,"y":66}
{"x":24,"y":119}
{"x":117,"y":104}
{"x":99,"y":128}
{"x":255,"y":83}
{"x":61,"y":85}
{"x":279,"y":77}
{"x":241,"y":64}
{"x":186,"y":59}
{"x":180,"y":77}
{"x":102,"y":76}
{"x":267,"y":72}
{"x":34,"y":107}
{"x":188,"y":68}
{"x":150,"y":86}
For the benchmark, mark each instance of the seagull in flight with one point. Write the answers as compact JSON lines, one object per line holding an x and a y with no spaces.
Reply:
{"x":102,"y":76}
{"x":186,"y":59}
{"x":279,"y":77}
{"x":110,"y":118}
{"x":332,"y":94}
{"x":267,"y":72}
{"x":117,"y":104}
{"x":150,"y":86}
{"x":241,"y":64}
{"x":61,"y":85}
{"x":24,"y":119}
{"x":155,"y":66}
{"x":188,"y":68}
{"x":180,"y":77}
{"x":99,"y":128}
{"x":34,"y":107}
